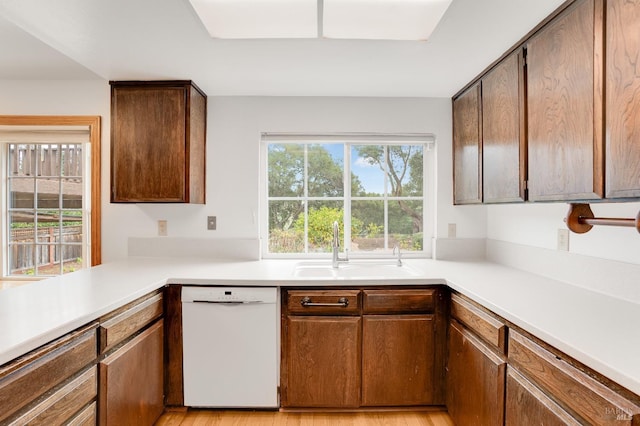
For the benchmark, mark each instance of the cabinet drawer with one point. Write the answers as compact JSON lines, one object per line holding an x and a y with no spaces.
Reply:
{"x":324,"y":302}
{"x":132,"y":380}
{"x":59,"y":407}
{"x":29,"y":377}
{"x":528,"y":405}
{"x":117,"y":328}
{"x":398,"y":301}
{"x":572,"y":388}
{"x":86,"y":417}
{"x":486,"y":326}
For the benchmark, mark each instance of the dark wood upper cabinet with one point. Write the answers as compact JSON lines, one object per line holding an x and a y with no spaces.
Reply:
{"x":565,"y":105}
{"x":158,"y":132}
{"x":467,"y":147}
{"x":504,"y":131}
{"x":623,"y":99}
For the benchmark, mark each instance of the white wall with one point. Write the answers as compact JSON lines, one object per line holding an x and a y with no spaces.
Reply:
{"x":234,"y":126}
{"x":537,"y":225}
{"x":233,"y":136}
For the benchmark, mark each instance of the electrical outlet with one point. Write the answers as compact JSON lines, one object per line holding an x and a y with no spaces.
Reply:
{"x":162,"y":228}
{"x":451,"y":230}
{"x":211,"y":223}
{"x":563,"y":239}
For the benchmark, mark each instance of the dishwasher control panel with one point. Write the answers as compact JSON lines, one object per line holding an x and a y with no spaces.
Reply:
{"x":229,"y":294}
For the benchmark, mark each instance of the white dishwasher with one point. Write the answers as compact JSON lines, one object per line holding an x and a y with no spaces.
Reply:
{"x":230,"y":346}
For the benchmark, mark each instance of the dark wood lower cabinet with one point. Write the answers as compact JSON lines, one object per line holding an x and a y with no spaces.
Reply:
{"x":475,"y":380}
{"x":44,"y":383}
{"x":526,"y":405}
{"x":323,"y":362}
{"x":131,"y":380}
{"x":363,"y":347}
{"x":588,"y":399}
{"x":398,"y":360}
{"x":65,"y":406}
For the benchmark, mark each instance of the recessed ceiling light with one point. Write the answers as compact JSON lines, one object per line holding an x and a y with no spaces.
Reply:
{"x":247,"y":19}
{"x":382,"y":19}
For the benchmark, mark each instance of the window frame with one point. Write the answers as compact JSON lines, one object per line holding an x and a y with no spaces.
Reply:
{"x":428,"y":187}
{"x":93,"y":123}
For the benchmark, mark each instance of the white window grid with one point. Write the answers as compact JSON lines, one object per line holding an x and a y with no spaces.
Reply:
{"x":348,"y":141}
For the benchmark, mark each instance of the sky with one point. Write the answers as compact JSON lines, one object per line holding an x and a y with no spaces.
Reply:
{"x":370,"y":176}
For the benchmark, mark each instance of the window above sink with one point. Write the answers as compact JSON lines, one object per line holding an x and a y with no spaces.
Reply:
{"x":377,"y":187}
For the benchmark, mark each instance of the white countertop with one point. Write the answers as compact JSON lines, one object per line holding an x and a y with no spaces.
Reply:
{"x":600,"y":331}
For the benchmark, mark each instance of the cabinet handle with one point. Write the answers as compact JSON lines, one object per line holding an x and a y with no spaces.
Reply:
{"x":306,"y":301}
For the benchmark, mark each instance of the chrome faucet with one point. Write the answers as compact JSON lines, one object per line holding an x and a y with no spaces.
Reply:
{"x":396,"y":250}
{"x":336,"y":247}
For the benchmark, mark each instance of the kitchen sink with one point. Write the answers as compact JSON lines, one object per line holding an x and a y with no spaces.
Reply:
{"x":355,"y":270}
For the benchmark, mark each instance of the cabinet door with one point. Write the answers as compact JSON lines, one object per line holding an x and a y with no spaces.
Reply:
{"x":119,"y":325}
{"x":398,"y":360}
{"x":585,"y":396}
{"x":503,"y":132}
{"x":158,"y":132}
{"x":527,"y":405}
{"x":61,"y":407}
{"x":565,"y":105}
{"x":31,"y":376}
{"x":131,"y":381}
{"x":467,"y":147}
{"x":623,"y":99}
{"x":321,"y":362}
{"x":147,"y":143}
{"x":475,"y":380}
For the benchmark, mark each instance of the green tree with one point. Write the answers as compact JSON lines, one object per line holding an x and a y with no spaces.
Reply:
{"x":320,"y":227}
{"x":286,"y":179}
{"x":404,"y":171}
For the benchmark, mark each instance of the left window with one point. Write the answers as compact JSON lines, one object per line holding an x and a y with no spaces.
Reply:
{"x":48,"y":204}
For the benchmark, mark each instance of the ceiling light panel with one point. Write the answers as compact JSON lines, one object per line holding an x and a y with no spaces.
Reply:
{"x":382,"y":19}
{"x":250,"y":19}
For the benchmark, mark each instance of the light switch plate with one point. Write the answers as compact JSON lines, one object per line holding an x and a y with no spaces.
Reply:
{"x":211,"y":223}
{"x":162,"y":228}
{"x":563,"y":239}
{"x":451,"y":230}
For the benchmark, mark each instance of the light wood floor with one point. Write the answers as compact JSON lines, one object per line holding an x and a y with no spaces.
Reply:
{"x":274,"y":418}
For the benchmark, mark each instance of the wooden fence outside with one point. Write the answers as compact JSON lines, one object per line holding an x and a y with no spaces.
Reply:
{"x":51,"y":247}
{"x":46,"y":160}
